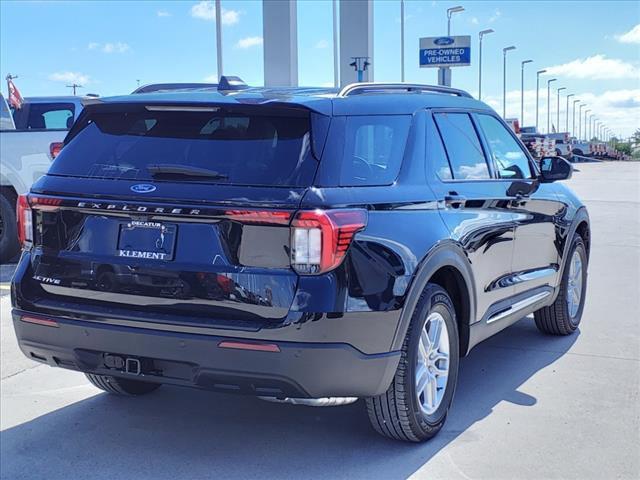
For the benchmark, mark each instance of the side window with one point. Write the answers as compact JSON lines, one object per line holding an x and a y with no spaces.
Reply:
{"x":462,"y":146}
{"x":50,"y":116}
{"x":373,"y":149}
{"x":509,"y":157}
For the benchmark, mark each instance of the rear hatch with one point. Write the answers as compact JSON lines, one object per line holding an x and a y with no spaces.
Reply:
{"x":173,"y":214}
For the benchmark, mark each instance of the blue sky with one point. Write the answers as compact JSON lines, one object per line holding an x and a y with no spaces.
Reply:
{"x":593,"y":48}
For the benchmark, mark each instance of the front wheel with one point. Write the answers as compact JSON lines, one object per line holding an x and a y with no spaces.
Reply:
{"x":415,"y":406}
{"x":563,"y":316}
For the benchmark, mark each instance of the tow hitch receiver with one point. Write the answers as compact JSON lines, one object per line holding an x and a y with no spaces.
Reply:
{"x":128,"y":365}
{"x":132,"y":366}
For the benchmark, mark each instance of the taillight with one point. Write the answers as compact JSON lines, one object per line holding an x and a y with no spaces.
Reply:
{"x":54,"y":149}
{"x":25,"y":222}
{"x":320,"y":238}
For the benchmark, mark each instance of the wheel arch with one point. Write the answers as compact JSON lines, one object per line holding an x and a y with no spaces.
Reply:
{"x":447,"y":266}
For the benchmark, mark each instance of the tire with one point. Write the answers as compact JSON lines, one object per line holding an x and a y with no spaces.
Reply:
{"x":558,"y":318}
{"x":9,"y":245}
{"x":121,"y":386}
{"x":399,"y":412}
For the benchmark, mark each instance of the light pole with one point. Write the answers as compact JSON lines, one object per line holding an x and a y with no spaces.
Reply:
{"x":522,"y":64}
{"x":549,"y":101}
{"x":558,"y":108}
{"x":566,"y":127}
{"x":585,"y":125}
{"x":219,"y":38}
{"x":591,"y":120}
{"x":481,"y":34}
{"x":538,"y":73}
{"x":573,"y":125}
{"x":402,"y":40}
{"x":580,"y":120}
{"x":504,"y":79}
{"x":444,"y":73}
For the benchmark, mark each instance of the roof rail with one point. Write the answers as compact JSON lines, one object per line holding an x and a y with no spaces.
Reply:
{"x":373,"y":87}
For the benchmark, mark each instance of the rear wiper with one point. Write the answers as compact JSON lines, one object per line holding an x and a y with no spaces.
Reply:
{"x":170,"y":169}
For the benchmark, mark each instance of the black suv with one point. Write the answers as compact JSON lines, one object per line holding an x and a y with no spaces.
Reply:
{"x":303,"y":245}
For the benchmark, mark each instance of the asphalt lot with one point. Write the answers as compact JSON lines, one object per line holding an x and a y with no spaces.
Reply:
{"x":527,"y":405}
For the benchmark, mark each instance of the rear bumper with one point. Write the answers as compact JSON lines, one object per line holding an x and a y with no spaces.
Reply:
{"x":299,"y":369}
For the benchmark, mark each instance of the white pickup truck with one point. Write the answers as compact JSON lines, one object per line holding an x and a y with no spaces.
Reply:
{"x":26,"y":136}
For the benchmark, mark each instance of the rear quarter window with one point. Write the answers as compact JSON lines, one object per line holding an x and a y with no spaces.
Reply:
{"x":373,"y":149}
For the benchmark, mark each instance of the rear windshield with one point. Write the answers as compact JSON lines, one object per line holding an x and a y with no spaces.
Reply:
{"x":196,"y":145}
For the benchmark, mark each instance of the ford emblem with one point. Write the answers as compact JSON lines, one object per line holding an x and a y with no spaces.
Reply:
{"x":143,"y":188}
{"x":444,"y":41}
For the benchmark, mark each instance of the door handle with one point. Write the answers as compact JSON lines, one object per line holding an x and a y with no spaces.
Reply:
{"x":454,"y":200}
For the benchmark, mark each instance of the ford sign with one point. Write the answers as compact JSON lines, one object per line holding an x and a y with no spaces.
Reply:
{"x":143,"y":188}
{"x":442,"y":41}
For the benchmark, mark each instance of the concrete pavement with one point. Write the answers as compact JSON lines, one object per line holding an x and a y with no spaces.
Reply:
{"x":527,"y":405}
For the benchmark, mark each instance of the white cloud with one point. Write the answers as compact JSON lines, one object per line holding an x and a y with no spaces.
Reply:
{"x":230,"y":17}
{"x":322,"y":44}
{"x":163,"y":13}
{"x":110,"y":47}
{"x":70,"y":77}
{"x":597,"y":67}
{"x":117,"y":47}
{"x":249,"y":42}
{"x":496,"y":15}
{"x":475,"y":20}
{"x":632,"y":36}
{"x":213,"y":78}
{"x":206,"y":10}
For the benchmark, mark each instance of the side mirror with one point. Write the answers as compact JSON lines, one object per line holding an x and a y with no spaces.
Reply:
{"x":553,"y":169}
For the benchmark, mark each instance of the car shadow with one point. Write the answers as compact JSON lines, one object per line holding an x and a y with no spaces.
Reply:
{"x":181,"y":433}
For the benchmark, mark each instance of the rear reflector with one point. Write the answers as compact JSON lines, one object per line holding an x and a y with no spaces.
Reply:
{"x":258,"y":347}
{"x":39,"y":321}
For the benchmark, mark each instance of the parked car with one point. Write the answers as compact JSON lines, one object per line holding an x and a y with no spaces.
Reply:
{"x":296,"y":245}
{"x":26,"y":138}
{"x":581,"y":148}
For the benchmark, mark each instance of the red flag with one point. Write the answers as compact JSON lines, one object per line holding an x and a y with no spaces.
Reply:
{"x":15,"y":99}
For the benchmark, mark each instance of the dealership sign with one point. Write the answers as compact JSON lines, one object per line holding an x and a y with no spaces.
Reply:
{"x":445,"y":51}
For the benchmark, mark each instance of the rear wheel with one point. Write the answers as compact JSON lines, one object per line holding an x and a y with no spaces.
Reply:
{"x":415,"y":406}
{"x":9,"y":245}
{"x":121,"y":386}
{"x":563,"y":316}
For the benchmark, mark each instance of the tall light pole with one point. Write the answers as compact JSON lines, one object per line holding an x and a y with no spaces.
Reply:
{"x":573,"y":125}
{"x":444,"y":73}
{"x":580,"y":120}
{"x":558,"y":108}
{"x":504,"y":79}
{"x":549,"y":101}
{"x":402,"y":40}
{"x":591,"y":119}
{"x":336,"y":67}
{"x":522,"y":64}
{"x":481,"y":34}
{"x":585,"y":124}
{"x":566,"y":128}
{"x":538,"y":73}
{"x":219,"y":37}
